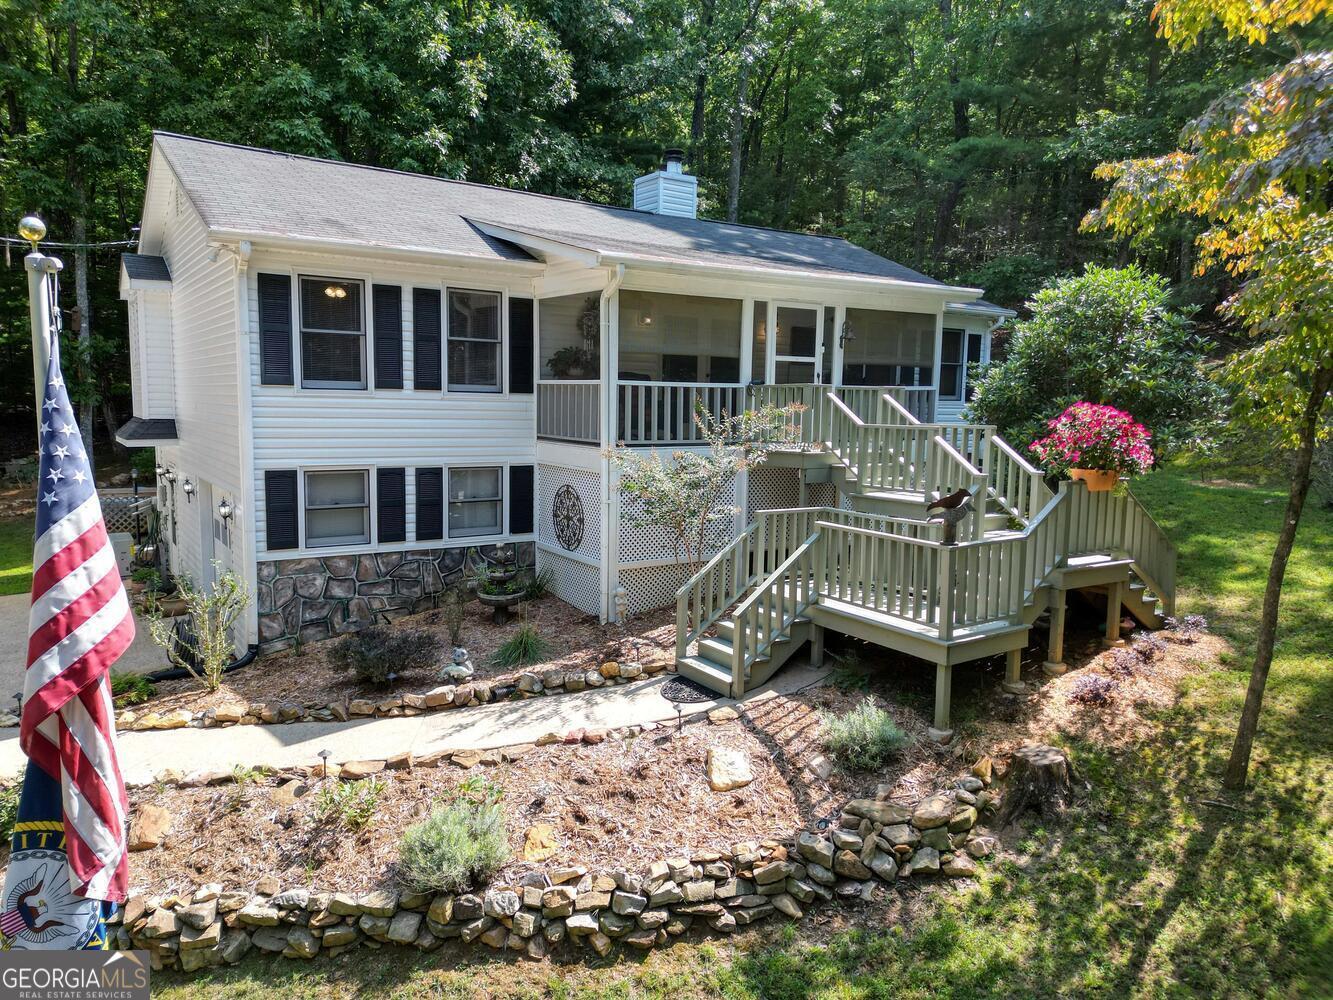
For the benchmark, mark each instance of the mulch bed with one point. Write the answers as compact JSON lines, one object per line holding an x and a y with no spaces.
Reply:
{"x":576,"y":640}
{"x":638,"y":797}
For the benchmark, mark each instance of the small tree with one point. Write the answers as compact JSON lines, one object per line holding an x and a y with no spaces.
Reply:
{"x":1107,"y":336}
{"x":685,"y":492}
{"x":1255,"y":168}
{"x":207,"y":651}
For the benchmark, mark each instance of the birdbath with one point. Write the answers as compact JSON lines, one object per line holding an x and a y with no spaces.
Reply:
{"x":496,"y":588}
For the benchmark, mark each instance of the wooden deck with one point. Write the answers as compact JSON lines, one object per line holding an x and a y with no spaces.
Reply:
{"x":883,"y":575}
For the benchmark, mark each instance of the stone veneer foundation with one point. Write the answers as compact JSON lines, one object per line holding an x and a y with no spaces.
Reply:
{"x":316,"y":598}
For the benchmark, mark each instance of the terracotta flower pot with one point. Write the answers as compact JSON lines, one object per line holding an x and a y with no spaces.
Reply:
{"x":1097,"y":480}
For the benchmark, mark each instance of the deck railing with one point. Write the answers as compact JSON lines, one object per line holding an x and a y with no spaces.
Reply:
{"x":653,"y":413}
{"x":917,"y":400}
{"x":1017,"y":486}
{"x":569,"y":411}
{"x":770,"y":611}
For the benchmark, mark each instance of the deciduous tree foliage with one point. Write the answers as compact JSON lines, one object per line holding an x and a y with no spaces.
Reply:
{"x":1255,"y":169}
{"x":956,"y":136}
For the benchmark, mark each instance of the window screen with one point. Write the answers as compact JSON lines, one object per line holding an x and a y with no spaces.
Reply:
{"x":474,"y":341}
{"x":475,"y":506}
{"x":333,"y":338}
{"x":336,"y":508}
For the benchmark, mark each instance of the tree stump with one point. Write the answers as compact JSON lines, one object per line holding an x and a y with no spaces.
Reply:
{"x":1041,"y":778}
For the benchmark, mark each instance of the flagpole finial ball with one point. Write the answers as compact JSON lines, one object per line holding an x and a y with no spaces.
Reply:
{"x":32,"y":229}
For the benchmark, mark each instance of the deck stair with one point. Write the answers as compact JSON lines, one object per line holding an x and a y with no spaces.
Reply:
{"x":880,"y":572}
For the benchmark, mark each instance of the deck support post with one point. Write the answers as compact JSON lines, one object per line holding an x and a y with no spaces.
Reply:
{"x":940,"y":732}
{"x":1115,"y":596}
{"x":816,"y":645}
{"x":1013,"y":672}
{"x":1055,"y":651}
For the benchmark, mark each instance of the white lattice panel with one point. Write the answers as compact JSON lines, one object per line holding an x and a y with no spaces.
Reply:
{"x":823,"y":495}
{"x":645,"y":542}
{"x":648,"y":588}
{"x":588,"y":486}
{"x":572,"y":581}
{"x":772,"y":487}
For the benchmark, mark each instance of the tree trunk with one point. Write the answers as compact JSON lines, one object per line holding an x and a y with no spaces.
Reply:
{"x":1041,"y":778}
{"x":962,"y":128}
{"x":1238,"y":766}
{"x":84,"y":305}
{"x":700,"y":88}
{"x":737,"y":134}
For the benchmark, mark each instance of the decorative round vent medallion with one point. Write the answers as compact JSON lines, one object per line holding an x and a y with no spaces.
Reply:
{"x":567,"y":517}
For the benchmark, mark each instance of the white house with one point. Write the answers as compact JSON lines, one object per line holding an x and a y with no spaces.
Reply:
{"x":359,"y":379}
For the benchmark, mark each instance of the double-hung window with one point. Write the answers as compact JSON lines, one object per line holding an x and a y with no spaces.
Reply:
{"x":475,"y":503}
{"x":474,"y":341}
{"x":959,"y":350}
{"x":337,"y":508}
{"x":333,"y":334}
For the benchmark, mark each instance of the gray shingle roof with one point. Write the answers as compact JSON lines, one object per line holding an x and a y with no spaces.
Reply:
{"x":265,"y":193}
{"x":145,"y":267}
{"x":146,"y":430}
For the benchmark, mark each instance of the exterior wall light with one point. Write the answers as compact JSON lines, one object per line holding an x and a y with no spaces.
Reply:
{"x":169,"y":476}
{"x":159,"y":471}
{"x":225,"y":509}
{"x":187,"y":488}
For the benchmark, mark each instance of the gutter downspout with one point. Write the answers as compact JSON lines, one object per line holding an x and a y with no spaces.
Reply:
{"x":610,"y":508}
{"x":247,"y":446}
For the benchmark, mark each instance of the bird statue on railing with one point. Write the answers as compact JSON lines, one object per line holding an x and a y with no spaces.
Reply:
{"x":951,"y":501}
{"x":952,"y":510}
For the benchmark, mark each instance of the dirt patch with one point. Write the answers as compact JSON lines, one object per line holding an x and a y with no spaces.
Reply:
{"x":309,"y":678}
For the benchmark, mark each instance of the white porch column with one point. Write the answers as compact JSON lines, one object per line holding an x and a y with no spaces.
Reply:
{"x":747,"y":341}
{"x":771,"y":343}
{"x":839,"y":319}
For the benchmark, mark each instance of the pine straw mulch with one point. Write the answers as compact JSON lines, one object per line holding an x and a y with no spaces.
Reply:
{"x":309,"y":677}
{"x":631,"y":800}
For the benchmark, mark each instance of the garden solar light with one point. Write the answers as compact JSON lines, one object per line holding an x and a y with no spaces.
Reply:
{"x":32,"y":229}
{"x":324,"y":756}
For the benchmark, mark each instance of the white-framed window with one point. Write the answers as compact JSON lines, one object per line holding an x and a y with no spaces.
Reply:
{"x":337,"y":507}
{"x":333,"y":333}
{"x":958,"y":351}
{"x":474,"y":341}
{"x":476,"y":502}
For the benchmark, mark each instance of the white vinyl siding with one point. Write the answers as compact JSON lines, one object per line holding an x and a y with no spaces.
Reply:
{"x":476,"y":502}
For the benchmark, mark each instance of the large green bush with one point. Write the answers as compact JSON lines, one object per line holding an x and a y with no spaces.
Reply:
{"x":454,"y":846}
{"x":379,"y":653}
{"x":1106,"y":336}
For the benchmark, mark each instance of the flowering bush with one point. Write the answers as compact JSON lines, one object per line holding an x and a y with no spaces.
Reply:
{"x":1095,"y":436}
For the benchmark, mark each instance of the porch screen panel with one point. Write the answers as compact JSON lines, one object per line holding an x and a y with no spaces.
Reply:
{"x":679,"y":338}
{"x":569,"y":328}
{"x":888,"y":348}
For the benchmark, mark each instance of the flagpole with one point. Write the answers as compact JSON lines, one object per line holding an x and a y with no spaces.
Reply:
{"x":38,"y":266}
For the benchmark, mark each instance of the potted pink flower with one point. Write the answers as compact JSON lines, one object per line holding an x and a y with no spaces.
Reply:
{"x":1095,"y":443}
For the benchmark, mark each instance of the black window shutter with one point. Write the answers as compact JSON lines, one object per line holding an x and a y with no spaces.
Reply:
{"x":520,"y":499}
{"x":388,"y":316}
{"x":430,"y":504}
{"x":520,"y":345}
{"x":275,"y":329}
{"x":391,"y":504}
{"x":280,"y":513}
{"x":426,"y":372}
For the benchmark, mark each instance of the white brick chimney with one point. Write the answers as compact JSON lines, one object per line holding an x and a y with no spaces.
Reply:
{"x":669,"y":191}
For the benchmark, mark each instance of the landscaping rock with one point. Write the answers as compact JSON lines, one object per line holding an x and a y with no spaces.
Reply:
{"x":301,"y":944}
{"x":959,"y":865}
{"x":404,"y":927}
{"x":815,"y":848}
{"x":354,"y":770}
{"x":932,"y":811}
{"x":981,"y":847}
{"x":926,"y":859}
{"x":848,"y":865}
{"x":148,"y":827}
{"x":962,"y":820}
{"x":379,"y":903}
{"x":257,"y":913}
{"x":885,"y":813}
{"x":500,"y":903}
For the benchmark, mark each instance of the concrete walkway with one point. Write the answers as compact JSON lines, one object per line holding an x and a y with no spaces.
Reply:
{"x":142,"y":657}
{"x":192,"y":751}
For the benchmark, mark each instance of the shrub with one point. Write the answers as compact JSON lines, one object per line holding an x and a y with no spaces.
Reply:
{"x":1187,"y":629}
{"x":524,"y":648}
{"x":352,"y":803}
{"x":1093,"y":689}
{"x":1124,"y":663}
{"x":455,"y":845}
{"x":1108,"y":335}
{"x":452,"y":607}
{"x":205,"y":648}
{"x":9,"y":808}
{"x":130,"y":689}
{"x":380,"y":653}
{"x":864,"y":738}
{"x":1148,"y":647}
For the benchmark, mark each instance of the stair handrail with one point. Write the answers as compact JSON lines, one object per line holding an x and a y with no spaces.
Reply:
{"x":953,"y":471}
{"x":689,"y":627}
{"x":748,"y":641}
{"x":1017,"y":485}
{"x":1153,"y":552}
{"x":901,"y":413}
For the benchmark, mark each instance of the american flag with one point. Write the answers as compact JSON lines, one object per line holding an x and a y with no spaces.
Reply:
{"x":78,"y":626}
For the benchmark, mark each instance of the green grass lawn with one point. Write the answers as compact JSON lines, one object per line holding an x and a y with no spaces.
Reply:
{"x":1153,"y":892}
{"x":15,"y":555}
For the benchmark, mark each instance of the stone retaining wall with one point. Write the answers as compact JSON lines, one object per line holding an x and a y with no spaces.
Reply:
{"x":314,"y":599}
{"x":560,"y":911}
